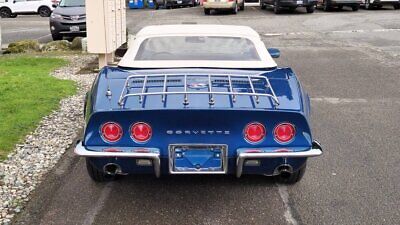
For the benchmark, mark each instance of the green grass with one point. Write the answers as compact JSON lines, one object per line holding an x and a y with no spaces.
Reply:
{"x":27,"y":93}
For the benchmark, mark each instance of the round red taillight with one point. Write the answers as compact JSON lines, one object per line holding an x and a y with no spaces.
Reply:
{"x":111,"y":132}
{"x":254,"y":132}
{"x":141,"y":132}
{"x":284,"y":132}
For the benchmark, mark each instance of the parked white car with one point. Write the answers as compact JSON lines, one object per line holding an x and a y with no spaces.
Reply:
{"x":12,"y":8}
{"x":370,"y":4}
{"x":233,"y":5}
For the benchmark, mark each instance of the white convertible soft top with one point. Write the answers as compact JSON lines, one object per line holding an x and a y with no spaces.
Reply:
{"x":265,"y":61}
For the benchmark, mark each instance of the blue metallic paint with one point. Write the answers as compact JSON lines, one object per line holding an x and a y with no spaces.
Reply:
{"x":198,"y":116}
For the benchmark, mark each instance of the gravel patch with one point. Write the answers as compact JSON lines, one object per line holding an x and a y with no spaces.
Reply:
{"x":25,"y":167}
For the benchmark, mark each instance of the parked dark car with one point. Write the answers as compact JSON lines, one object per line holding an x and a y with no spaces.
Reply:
{"x":169,"y":4}
{"x":328,"y":5}
{"x":68,"y":19}
{"x":289,"y":4}
{"x":371,"y":4}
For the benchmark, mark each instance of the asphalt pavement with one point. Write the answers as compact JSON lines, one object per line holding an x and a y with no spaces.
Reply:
{"x":347,"y":61}
{"x":25,"y":27}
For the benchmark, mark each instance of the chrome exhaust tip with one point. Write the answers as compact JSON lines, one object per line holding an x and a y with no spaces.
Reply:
{"x":284,"y":170}
{"x":112,"y":169}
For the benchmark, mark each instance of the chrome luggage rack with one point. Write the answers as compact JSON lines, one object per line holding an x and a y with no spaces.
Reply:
{"x":257,"y":86}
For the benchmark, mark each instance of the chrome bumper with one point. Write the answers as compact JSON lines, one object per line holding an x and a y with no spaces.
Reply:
{"x":316,"y":150}
{"x":155,"y":157}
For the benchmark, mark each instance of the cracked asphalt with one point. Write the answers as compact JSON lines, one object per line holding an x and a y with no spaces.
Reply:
{"x":348,"y":62}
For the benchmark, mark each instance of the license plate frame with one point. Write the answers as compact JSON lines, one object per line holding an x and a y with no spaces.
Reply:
{"x":299,"y":2}
{"x":175,"y":149}
{"x":74,"y":28}
{"x":179,"y":1}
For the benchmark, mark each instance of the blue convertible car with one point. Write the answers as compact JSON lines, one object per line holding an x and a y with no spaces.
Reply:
{"x":197,"y":99}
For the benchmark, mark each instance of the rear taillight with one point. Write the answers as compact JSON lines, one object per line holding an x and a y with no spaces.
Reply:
{"x":111,"y":132}
{"x":254,"y":132}
{"x":141,"y":132}
{"x":284,"y":132}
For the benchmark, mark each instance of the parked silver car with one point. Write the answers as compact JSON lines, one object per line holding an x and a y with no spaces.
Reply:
{"x":233,"y":5}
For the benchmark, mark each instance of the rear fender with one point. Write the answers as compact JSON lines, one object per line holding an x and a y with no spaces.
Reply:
{"x":198,"y":126}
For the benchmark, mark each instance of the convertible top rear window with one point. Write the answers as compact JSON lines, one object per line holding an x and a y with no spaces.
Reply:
{"x":197,"y":48}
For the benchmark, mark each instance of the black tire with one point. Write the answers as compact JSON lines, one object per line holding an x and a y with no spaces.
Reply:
{"x":97,"y":175}
{"x":5,"y":13}
{"x":293,"y":177}
{"x":310,"y":9}
{"x":14,"y":15}
{"x":207,"y":11}
{"x":277,"y":8}
{"x":368,"y":5}
{"x":44,"y":11}
{"x":262,"y":5}
{"x":242,"y":6}
{"x":56,"y":37}
{"x":327,"y":6}
{"x":166,"y":6}
{"x":396,"y":6}
{"x":236,"y":9}
{"x":355,"y":7}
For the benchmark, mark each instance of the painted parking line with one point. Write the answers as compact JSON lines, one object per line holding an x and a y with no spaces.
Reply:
{"x":93,"y":212}
{"x":284,"y":194}
{"x":336,"y":101}
{"x":23,"y":30}
{"x":333,"y":32}
{"x":339,"y":100}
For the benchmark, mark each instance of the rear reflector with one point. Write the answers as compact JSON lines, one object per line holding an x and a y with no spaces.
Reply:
{"x":111,"y":132}
{"x":254,"y":132}
{"x":284,"y":132}
{"x":252,"y":162}
{"x":112,"y":150}
{"x":144,"y":162}
{"x":141,"y":132}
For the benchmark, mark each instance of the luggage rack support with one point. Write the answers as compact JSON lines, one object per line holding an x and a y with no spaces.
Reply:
{"x":210,"y":84}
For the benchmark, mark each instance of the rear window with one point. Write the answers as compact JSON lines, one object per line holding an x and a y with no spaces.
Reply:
{"x":197,"y":48}
{"x":72,"y":3}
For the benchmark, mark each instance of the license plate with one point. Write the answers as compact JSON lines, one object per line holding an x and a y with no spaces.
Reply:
{"x":299,"y":2}
{"x":201,"y":159}
{"x":179,"y":2}
{"x":74,"y":28}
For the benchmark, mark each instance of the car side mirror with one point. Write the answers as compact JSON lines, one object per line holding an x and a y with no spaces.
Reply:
{"x":274,"y":52}
{"x":14,"y":1}
{"x":54,"y":5}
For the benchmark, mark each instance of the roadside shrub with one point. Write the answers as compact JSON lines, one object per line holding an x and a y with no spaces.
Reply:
{"x":23,"y":46}
{"x":76,"y":43}
{"x":56,"y":46}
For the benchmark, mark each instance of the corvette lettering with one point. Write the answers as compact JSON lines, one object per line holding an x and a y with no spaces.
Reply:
{"x":198,"y":132}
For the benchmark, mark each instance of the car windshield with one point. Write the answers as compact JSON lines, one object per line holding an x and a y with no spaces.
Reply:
{"x":72,"y":3}
{"x":197,"y":48}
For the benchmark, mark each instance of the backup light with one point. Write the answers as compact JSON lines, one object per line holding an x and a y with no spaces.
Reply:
{"x":254,"y":132}
{"x":284,"y":132}
{"x":141,"y":132}
{"x":111,"y":132}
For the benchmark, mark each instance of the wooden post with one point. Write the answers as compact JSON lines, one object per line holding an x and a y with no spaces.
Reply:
{"x":102,"y":60}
